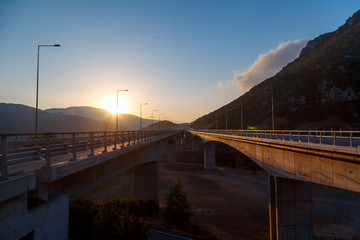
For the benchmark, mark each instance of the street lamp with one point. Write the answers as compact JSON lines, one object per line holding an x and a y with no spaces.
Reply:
{"x":141,"y":114}
{"x":117,"y":107}
{"x":272,"y":111}
{"x":152,"y":117}
{"x":37,"y":83}
{"x":160,"y":120}
{"x":242,"y":117}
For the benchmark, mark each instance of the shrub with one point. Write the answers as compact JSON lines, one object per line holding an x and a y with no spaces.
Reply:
{"x":81,"y":219}
{"x":178,"y":207}
{"x":110,"y":219}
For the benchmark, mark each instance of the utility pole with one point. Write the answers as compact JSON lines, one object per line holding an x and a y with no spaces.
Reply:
{"x":226,"y":119}
{"x":216,"y":125}
{"x":242,"y":118}
{"x":272,"y":111}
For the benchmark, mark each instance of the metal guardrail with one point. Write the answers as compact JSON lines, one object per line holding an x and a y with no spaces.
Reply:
{"x":336,"y":138}
{"x":16,"y":148}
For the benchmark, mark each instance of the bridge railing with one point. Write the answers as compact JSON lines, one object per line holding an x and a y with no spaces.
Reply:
{"x":336,"y":138}
{"x":17,"y":148}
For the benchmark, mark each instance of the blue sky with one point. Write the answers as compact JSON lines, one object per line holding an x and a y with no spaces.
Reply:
{"x":179,"y":56}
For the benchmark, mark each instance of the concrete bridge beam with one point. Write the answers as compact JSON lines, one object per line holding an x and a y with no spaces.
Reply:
{"x":171,"y":152}
{"x":197,"y":144}
{"x":209,"y":155}
{"x":147,"y":181}
{"x":290,"y":209}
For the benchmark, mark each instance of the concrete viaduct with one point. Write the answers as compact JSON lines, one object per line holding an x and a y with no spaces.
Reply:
{"x":292,"y":167}
{"x":35,"y":205}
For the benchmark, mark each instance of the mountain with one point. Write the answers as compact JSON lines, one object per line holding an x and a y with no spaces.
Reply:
{"x":319,"y":89}
{"x":98,"y":114}
{"x":21,"y":118}
{"x":166,"y":125}
{"x":126,"y":121}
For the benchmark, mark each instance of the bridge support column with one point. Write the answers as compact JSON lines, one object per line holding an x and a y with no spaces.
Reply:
{"x":178,"y":143}
{"x":171,"y":152}
{"x":197,"y":144}
{"x":147,"y":181}
{"x":290,"y":209}
{"x":209,"y":156}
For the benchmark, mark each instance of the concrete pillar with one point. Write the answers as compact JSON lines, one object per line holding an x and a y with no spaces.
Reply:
{"x":45,"y":220}
{"x":272,"y":208}
{"x":209,"y":156}
{"x":178,"y":143}
{"x":197,"y":144}
{"x":171,"y":152}
{"x":293,"y":209}
{"x":147,"y":181}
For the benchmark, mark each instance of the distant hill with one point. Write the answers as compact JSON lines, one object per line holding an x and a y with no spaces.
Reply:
{"x":166,"y":125}
{"x":320,"y":89}
{"x":126,"y":121}
{"x":98,"y":114}
{"x":21,"y":118}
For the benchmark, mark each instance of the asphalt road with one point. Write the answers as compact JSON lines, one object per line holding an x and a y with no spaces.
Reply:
{"x":160,"y":235}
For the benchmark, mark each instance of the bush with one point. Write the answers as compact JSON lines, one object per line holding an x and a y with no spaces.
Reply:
{"x":110,"y":219}
{"x":178,"y":208}
{"x":81,"y":219}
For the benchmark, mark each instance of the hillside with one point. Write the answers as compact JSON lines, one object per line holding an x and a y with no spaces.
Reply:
{"x":126,"y":121}
{"x":88,"y":112}
{"x":166,"y":125}
{"x":319,"y":89}
{"x":21,"y":118}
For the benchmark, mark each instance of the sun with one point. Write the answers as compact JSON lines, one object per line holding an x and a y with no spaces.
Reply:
{"x":109,"y":103}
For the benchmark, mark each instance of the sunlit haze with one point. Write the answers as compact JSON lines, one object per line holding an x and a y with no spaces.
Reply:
{"x":109,"y":103}
{"x":185,"y":58}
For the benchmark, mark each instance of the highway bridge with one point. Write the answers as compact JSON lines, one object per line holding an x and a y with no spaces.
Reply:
{"x":293,"y":160}
{"x":42,"y":173}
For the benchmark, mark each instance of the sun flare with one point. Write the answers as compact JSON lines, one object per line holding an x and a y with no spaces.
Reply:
{"x":109,"y":103}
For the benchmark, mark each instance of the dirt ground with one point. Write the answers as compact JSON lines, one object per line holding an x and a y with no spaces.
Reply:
{"x":234,"y":202}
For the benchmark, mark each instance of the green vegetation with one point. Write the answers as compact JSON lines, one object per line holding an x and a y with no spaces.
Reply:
{"x":178,"y":207}
{"x":110,"y":219}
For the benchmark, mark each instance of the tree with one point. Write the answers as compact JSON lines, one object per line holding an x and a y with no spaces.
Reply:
{"x":178,"y":207}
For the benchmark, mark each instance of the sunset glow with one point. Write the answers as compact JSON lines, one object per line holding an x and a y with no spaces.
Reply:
{"x":109,"y":103}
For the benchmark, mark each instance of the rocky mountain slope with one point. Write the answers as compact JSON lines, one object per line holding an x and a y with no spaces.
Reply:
{"x":319,"y":89}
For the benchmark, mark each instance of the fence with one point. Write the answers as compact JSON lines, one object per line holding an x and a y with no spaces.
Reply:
{"x":17,"y":148}
{"x":336,"y":138}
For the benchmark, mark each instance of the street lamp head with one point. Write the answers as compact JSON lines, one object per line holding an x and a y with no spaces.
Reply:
{"x":57,"y":45}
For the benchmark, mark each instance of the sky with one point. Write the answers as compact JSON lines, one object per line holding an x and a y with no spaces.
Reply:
{"x":184,"y":58}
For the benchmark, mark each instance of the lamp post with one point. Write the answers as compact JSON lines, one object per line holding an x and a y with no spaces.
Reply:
{"x":226,"y":118}
{"x":242,"y":117}
{"x":272,"y":111}
{"x":117,"y":107}
{"x":37,"y":82}
{"x":141,"y":114}
{"x":152,"y":117}
{"x":160,"y":120}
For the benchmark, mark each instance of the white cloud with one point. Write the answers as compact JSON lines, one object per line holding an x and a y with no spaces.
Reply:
{"x":220,"y":84}
{"x":268,"y":64}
